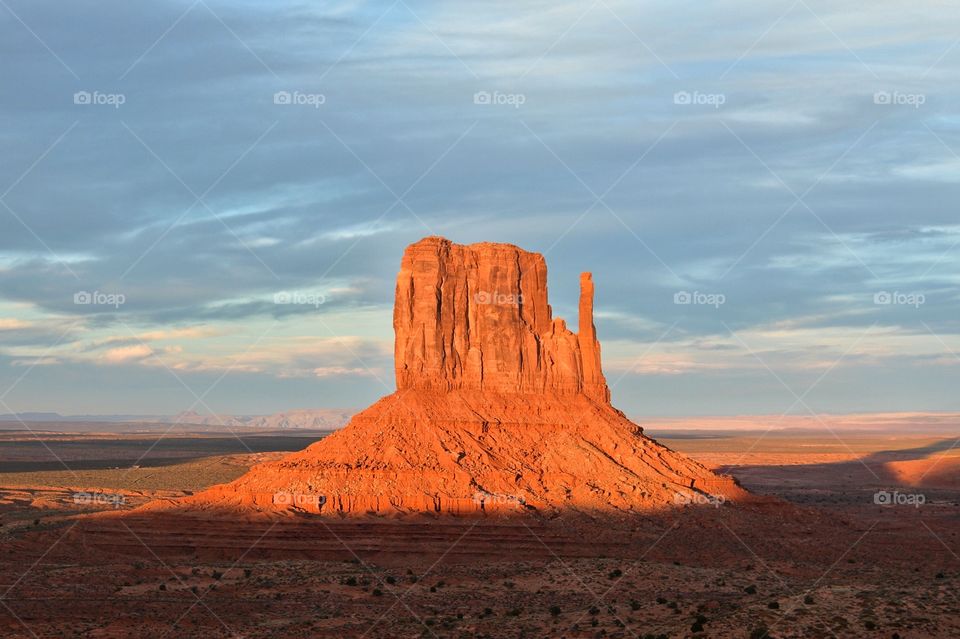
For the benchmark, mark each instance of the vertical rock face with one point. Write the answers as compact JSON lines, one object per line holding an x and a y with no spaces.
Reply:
{"x":477,"y":318}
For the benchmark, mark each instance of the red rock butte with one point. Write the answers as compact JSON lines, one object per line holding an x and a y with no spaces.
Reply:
{"x":499,"y":409}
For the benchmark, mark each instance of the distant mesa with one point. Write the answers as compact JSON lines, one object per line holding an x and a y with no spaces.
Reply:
{"x":500,"y":408}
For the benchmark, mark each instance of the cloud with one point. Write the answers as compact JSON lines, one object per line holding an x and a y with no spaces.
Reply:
{"x":12,"y":324}
{"x":125,"y":354}
{"x":324,"y":200}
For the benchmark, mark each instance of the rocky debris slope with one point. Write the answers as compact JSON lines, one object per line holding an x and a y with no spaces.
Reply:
{"x":499,"y":408}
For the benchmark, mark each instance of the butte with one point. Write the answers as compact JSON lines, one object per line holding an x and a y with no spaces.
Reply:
{"x":500,"y":409}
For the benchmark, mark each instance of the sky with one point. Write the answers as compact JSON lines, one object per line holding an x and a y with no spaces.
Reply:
{"x":203,"y":204}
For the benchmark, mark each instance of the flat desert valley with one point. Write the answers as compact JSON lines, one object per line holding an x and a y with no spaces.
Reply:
{"x":859,"y":538}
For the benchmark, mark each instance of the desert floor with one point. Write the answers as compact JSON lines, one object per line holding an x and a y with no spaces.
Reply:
{"x":862,"y":541}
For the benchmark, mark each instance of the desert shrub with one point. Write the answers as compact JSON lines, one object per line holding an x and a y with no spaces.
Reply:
{"x":760,"y":632}
{"x":750,"y":590}
{"x":615,"y":573}
{"x":773,"y":605}
{"x":554,"y":611}
{"x":808,"y":600}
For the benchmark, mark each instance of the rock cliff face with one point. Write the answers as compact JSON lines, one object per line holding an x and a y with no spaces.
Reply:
{"x":477,"y":318}
{"x":499,"y":408}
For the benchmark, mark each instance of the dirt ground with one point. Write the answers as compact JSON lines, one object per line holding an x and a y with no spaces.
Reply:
{"x":861,"y":542}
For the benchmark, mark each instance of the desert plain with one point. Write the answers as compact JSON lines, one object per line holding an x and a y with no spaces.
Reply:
{"x":859,"y":538}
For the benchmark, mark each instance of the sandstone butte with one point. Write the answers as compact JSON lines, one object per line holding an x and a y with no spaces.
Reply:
{"x":500,"y":408}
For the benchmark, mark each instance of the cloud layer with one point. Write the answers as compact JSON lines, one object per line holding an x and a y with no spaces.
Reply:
{"x":209,"y":194}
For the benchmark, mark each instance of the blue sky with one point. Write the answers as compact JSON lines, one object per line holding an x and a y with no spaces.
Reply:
{"x":792,"y":166}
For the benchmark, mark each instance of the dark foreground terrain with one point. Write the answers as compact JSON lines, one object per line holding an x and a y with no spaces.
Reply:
{"x":862,"y":543}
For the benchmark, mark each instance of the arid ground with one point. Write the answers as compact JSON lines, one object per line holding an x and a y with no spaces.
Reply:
{"x":861,"y":539}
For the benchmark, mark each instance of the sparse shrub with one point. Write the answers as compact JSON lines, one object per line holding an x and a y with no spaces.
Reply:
{"x":773,"y":605}
{"x":377,"y":592}
{"x":350,"y":581}
{"x":808,"y":600}
{"x":554,"y":611}
{"x":217,"y":575}
{"x":634,"y":605}
{"x":870,"y":625}
{"x":750,"y":590}
{"x":391,"y":579}
{"x":661,"y":600}
{"x":615,"y":573}
{"x":594,"y":611}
